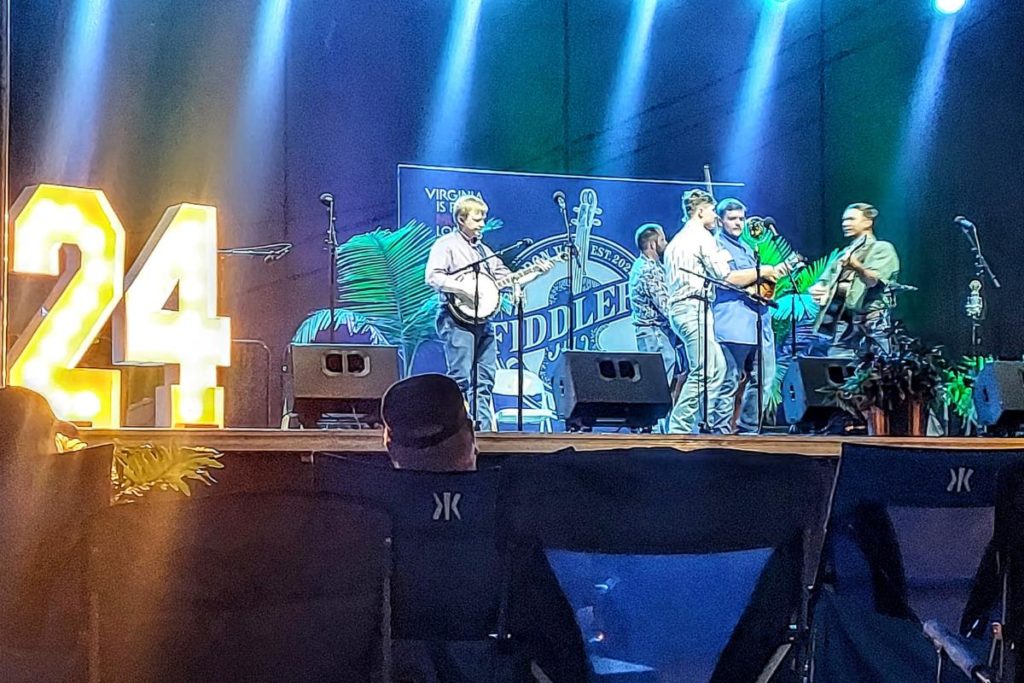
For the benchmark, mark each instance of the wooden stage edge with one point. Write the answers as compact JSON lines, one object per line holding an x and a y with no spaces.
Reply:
{"x":369,"y":441}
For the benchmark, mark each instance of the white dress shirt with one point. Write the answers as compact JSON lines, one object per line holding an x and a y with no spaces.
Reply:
{"x":694,"y":247}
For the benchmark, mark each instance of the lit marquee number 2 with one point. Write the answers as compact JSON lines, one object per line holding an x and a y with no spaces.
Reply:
{"x":180,"y":254}
{"x":49,"y":218}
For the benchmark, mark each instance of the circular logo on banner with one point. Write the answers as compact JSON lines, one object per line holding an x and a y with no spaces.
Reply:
{"x":601,"y":304}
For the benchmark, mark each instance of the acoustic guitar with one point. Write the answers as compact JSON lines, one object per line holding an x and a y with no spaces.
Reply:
{"x":834,"y":305}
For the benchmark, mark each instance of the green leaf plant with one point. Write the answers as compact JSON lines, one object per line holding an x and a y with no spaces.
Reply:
{"x":147,"y":467}
{"x":381,"y":290}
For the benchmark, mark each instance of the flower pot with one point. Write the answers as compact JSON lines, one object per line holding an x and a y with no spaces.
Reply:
{"x":878,"y":422}
{"x":909,"y":419}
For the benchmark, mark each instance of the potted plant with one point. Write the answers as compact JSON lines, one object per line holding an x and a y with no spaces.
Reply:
{"x":894,"y":390}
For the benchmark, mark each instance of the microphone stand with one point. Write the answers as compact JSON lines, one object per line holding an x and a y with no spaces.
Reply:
{"x":760,"y":345}
{"x":708,"y":282}
{"x":981,"y":269}
{"x":332,"y":248}
{"x":475,"y":267}
{"x":518,"y":294}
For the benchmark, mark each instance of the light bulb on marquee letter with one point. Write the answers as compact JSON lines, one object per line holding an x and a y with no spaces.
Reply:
{"x":49,"y":219}
{"x":182,"y":253}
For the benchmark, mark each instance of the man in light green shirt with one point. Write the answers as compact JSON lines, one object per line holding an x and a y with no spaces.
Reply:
{"x":860,"y":279}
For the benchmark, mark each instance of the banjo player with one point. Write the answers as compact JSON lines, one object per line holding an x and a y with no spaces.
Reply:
{"x":447,"y":273}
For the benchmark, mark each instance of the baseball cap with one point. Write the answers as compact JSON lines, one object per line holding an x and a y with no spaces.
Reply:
{"x":423,"y":410}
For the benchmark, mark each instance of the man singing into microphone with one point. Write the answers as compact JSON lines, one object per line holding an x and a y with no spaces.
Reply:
{"x":449,"y":256}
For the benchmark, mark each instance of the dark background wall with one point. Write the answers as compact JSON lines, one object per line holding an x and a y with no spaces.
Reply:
{"x":360,"y":86}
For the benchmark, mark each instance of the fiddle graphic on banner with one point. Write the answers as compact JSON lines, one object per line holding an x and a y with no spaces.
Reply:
{"x":601,"y":303}
{"x":586,"y":219}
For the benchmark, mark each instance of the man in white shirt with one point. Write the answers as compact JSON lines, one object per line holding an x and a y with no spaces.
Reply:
{"x":448,"y":259}
{"x":695,"y":249}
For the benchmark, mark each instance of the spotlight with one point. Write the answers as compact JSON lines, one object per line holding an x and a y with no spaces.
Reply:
{"x":949,"y":6}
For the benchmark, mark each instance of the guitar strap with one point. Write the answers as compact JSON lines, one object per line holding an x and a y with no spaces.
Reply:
{"x":849,"y":275}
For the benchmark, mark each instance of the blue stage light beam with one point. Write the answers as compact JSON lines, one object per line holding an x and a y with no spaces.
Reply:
{"x":447,"y":126}
{"x":755,"y":94}
{"x":949,"y":6}
{"x":73,"y":122}
{"x":920,"y":123}
{"x":622,"y":125}
{"x":261,"y":100}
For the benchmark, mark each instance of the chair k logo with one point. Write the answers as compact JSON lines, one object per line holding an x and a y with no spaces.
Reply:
{"x":959,"y":480}
{"x":446,"y":506}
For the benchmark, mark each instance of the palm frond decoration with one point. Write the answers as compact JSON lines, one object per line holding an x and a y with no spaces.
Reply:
{"x":318,"y":321}
{"x":791,"y":307}
{"x":773,"y":393}
{"x":138,"y":469}
{"x":381,"y":289}
{"x":774,"y":248}
{"x":801,"y":279}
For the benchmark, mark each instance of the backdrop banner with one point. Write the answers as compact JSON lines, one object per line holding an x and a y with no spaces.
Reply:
{"x":604,"y":214}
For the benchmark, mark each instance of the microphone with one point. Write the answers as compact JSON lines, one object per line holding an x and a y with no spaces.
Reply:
{"x":559,"y":198}
{"x":525,"y":242}
{"x":975,"y":305}
{"x":769,"y":223}
{"x":964,"y":224}
{"x":946,"y":641}
{"x":326,"y":198}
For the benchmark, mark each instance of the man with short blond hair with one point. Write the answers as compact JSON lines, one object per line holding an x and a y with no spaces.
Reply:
{"x":465,"y":343}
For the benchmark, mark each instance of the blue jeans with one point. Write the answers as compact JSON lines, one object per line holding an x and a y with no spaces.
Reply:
{"x":458,"y":341}
{"x":687,"y":324}
{"x":657,"y":340}
{"x":739,"y":359}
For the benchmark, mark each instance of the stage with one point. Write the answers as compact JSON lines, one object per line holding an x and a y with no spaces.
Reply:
{"x":511,"y":443}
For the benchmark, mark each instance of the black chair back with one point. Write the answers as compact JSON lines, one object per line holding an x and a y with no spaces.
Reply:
{"x":909,"y":539}
{"x":447,"y":569}
{"x":688,"y":565}
{"x":247,"y":586}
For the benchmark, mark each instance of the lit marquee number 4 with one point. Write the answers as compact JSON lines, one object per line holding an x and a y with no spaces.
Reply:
{"x":181,"y":254}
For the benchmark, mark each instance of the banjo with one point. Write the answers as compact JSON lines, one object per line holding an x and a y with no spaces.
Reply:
{"x":461,"y":307}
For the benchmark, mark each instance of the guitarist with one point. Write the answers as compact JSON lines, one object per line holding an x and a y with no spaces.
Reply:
{"x":855,"y":304}
{"x":461,"y":342}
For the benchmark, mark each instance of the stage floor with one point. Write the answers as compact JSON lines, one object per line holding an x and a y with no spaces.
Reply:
{"x":512,"y":443}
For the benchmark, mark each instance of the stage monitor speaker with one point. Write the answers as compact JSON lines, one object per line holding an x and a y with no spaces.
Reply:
{"x":999,"y":395}
{"x":346,"y":380}
{"x":617,"y":389}
{"x":802,"y":402}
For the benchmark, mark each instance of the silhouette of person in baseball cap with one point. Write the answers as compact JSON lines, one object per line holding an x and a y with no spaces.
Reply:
{"x":426,"y":425}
